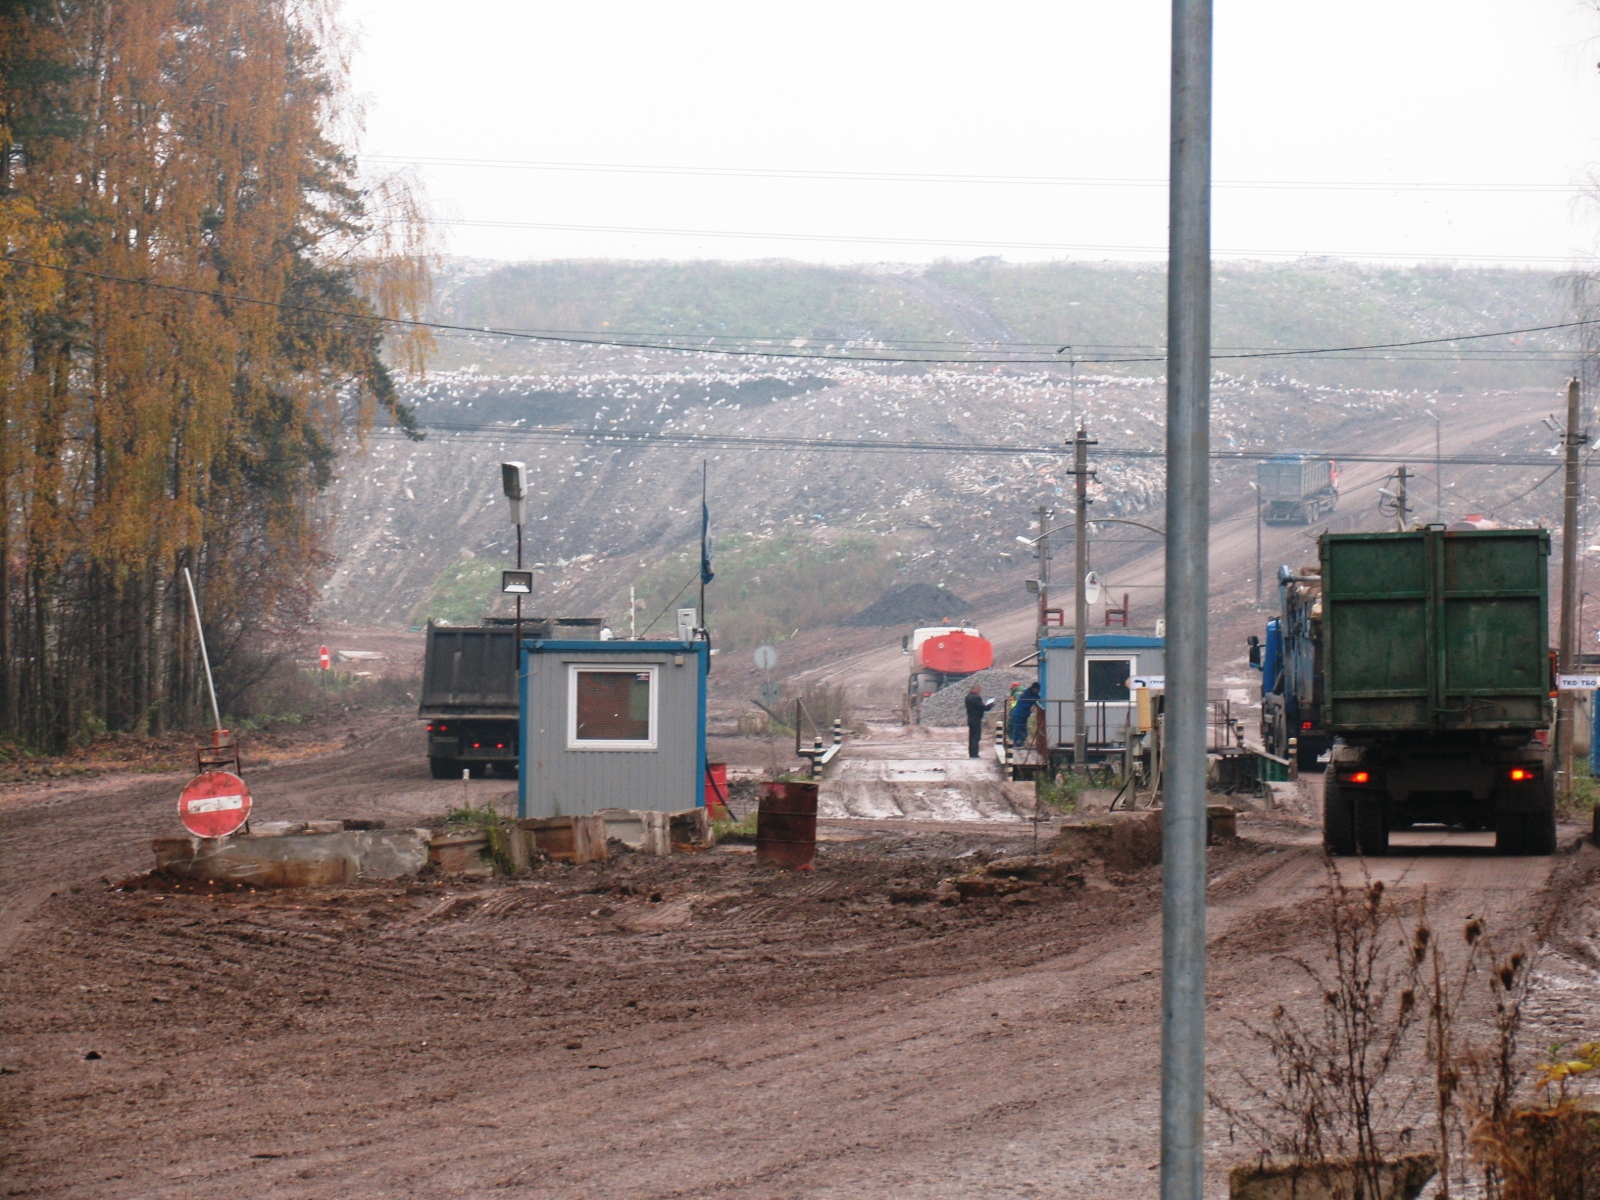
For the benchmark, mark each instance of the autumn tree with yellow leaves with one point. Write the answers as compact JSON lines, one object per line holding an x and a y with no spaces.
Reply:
{"x":192,"y":294}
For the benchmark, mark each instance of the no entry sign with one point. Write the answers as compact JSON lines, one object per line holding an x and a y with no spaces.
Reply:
{"x":323,"y":660}
{"x":215,"y":804}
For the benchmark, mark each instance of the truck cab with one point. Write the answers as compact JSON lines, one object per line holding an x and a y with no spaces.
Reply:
{"x":1290,"y":661}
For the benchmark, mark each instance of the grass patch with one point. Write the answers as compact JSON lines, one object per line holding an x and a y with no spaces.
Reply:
{"x":1585,"y":794}
{"x":461,"y":595}
{"x":1061,"y":793}
{"x":742,"y":829}
{"x":770,"y":585}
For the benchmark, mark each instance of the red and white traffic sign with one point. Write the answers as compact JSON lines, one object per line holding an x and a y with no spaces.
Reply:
{"x":323,"y":660}
{"x":215,"y":804}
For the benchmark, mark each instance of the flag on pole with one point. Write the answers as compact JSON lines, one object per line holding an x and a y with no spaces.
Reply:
{"x":706,"y":574}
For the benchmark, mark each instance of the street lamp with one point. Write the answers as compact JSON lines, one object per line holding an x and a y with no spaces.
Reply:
{"x":514,"y":481}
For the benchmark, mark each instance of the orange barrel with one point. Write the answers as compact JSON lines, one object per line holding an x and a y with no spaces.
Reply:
{"x":786,"y":825}
{"x":717,"y":789}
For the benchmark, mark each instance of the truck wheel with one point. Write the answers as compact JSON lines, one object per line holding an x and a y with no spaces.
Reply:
{"x":1372,"y":828}
{"x":1338,"y":820}
{"x":1539,"y":832}
{"x":1508,"y":833}
{"x":444,"y":768}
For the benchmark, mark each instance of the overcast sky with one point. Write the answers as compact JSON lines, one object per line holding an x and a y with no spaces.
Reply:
{"x":1496,"y":103}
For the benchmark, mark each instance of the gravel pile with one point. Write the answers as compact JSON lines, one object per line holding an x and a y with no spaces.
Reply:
{"x":948,"y":706}
{"x":909,"y":605}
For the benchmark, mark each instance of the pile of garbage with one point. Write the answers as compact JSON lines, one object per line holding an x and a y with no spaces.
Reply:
{"x":910,"y":605}
{"x":948,"y":706}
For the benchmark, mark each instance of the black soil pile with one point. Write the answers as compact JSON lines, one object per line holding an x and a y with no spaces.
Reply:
{"x":909,"y":605}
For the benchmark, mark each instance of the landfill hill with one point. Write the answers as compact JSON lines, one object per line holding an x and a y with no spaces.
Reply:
{"x":808,"y":534}
{"x":1101,"y":310}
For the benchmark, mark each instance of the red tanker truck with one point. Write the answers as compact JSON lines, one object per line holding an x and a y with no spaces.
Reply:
{"x":940,"y":655}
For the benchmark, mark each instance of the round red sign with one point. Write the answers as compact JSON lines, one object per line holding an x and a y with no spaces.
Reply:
{"x":215,"y":804}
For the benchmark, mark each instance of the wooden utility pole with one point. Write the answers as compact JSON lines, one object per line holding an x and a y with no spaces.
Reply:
{"x":1571,"y":438}
{"x":1080,"y":627}
{"x":1402,"y":504}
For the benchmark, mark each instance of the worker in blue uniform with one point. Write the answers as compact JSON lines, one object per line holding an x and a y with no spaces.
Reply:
{"x":1021,"y":710}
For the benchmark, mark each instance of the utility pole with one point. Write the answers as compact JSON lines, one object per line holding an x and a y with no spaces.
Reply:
{"x":1183,"y":817}
{"x":1572,"y":438}
{"x":1080,"y":625}
{"x":1257,"y":486}
{"x":1043,"y":547}
{"x":1438,"y":466}
{"x":1396,"y":502}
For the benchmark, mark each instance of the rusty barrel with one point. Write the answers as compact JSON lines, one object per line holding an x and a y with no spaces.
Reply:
{"x":786,"y":825}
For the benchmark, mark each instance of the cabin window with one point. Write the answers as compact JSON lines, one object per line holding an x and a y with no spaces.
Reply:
{"x":1108,"y":680}
{"x":611,"y":707}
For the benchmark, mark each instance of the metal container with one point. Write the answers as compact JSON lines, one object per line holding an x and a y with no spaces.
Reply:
{"x":786,"y":825}
{"x":1436,"y":631}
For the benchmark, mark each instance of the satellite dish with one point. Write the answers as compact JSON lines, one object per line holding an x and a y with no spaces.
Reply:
{"x":766,"y":657}
{"x":1091,"y":588}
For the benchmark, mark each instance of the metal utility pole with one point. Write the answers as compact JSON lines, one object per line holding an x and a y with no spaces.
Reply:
{"x":1080,"y":625}
{"x":1571,"y":438}
{"x":1183,"y":887}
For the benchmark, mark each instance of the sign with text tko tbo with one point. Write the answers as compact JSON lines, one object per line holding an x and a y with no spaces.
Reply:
{"x":1578,"y":683}
{"x":215,"y":804}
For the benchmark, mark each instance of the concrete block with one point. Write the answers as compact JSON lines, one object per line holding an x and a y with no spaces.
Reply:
{"x":1222,"y":824}
{"x":295,"y":860}
{"x":1119,"y":839}
{"x":464,"y":853}
{"x":324,"y":827}
{"x":263,"y":829}
{"x":657,"y":837}
{"x":568,"y":839}
{"x":690,"y":829}
{"x":625,"y":825}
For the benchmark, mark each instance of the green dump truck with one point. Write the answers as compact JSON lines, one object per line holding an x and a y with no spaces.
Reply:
{"x":1437,"y":678}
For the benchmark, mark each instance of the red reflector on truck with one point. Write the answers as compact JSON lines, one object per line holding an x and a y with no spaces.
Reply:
{"x":1358,"y":777}
{"x":1303,"y":724}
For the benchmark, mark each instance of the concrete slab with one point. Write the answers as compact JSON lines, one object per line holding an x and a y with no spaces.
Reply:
{"x":296,"y":859}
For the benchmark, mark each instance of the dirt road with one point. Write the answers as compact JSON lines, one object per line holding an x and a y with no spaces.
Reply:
{"x":644,"y":1027}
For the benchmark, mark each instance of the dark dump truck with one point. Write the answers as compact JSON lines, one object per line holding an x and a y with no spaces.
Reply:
{"x":1290,"y":661}
{"x":1436,"y":686}
{"x":1297,"y":489}
{"x":469,"y":691}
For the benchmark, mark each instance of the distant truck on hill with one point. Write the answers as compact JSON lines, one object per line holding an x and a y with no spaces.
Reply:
{"x":1297,"y":489}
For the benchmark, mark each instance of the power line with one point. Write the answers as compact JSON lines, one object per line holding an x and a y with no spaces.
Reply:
{"x":938,"y":177}
{"x":746,"y":352}
{"x":978,"y":244}
{"x":602,"y":436}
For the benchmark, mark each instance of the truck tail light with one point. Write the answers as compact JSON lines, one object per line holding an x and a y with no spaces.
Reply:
{"x":1523,"y":774}
{"x":430,"y":727}
{"x":1305,"y":724}
{"x":1358,"y":777}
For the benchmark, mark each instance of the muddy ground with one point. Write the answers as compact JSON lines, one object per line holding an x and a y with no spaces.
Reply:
{"x":644,"y":1027}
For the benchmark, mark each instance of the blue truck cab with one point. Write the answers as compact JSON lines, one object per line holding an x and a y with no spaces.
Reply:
{"x":1290,"y":661}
